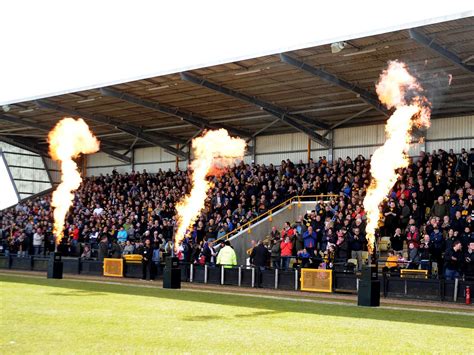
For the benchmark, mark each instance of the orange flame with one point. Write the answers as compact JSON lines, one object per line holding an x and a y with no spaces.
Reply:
{"x":396,"y":88}
{"x":212,"y":153}
{"x":67,"y":140}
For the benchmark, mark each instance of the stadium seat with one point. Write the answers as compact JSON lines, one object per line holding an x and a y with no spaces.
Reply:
{"x":133,"y":258}
{"x":365,"y":256}
{"x":352,"y":261}
{"x":384,"y":244}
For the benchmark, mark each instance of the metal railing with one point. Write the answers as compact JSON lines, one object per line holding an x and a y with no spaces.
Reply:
{"x":273,"y":210}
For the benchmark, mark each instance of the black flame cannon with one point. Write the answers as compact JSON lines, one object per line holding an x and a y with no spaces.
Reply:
{"x":368,"y":294}
{"x":172,"y":273}
{"x":55,"y":266}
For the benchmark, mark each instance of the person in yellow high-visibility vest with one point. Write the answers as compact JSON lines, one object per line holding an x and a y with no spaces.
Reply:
{"x":226,"y":256}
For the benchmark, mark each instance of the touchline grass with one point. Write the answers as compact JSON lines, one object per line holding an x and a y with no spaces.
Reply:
{"x":60,"y":316}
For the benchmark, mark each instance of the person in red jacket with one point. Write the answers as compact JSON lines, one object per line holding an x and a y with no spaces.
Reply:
{"x":286,"y":248}
{"x":413,"y":236}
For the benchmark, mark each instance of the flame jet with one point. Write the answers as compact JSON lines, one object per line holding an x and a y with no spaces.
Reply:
{"x":213,"y":152}
{"x":67,"y":140}
{"x":397,"y":89}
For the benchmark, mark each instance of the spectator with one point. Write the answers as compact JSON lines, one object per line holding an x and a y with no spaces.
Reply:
{"x":453,"y":260}
{"x":440,"y":209}
{"x":287,"y":230}
{"x":424,"y":251}
{"x":147,"y":254}
{"x":286,"y":252}
{"x":342,"y":246}
{"x":103,"y":249}
{"x":326,"y":239}
{"x":22,"y":246}
{"x":276,"y":252}
{"x":437,"y":246}
{"x":391,"y":218}
{"x":402,"y":262}
{"x":98,"y":211}
{"x":304,"y":256}
{"x":38,"y":242}
{"x":226,"y":255}
{"x":404,"y":213}
{"x":93,"y":237}
{"x":309,"y":240}
{"x":115,"y":250}
{"x":275,"y":234}
{"x":469,"y":262}
{"x":466,"y":237}
{"x":397,"y":240}
{"x":260,"y":256}
{"x":357,"y":243}
{"x":413,"y":236}
{"x":209,"y":253}
{"x":451,"y":237}
{"x":129,"y":248}
{"x":413,"y":256}
{"x":391,"y":264}
{"x":122,"y":235}
{"x":86,"y":253}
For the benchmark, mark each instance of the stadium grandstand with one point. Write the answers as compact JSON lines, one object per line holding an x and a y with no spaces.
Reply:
{"x":288,"y":215}
{"x":311,"y":119}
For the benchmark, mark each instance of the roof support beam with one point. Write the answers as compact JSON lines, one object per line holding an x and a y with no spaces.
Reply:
{"x":250,"y":99}
{"x":284,"y":116}
{"x":195,"y":120}
{"x":365,"y":95}
{"x":31,"y":145}
{"x":104,"y":143}
{"x":263,"y":129}
{"x":12,"y":181}
{"x":293,"y":123}
{"x":345,"y":120}
{"x":121,"y":157}
{"x":152,"y":138}
{"x":437,"y":48}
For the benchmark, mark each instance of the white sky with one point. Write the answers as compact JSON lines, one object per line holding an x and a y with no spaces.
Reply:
{"x":52,"y":47}
{"x":7,"y":195}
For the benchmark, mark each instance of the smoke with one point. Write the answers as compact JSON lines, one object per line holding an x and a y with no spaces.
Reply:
{"x":213,"y":152}
{"x":398,"y":89}
{"x":67,"y":140}
{"x":438,"y":84}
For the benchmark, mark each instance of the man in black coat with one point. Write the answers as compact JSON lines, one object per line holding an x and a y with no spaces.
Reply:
{"x":468,"y":266}
{"x":357,"y":243}
{"x":260,"y":257}
{"x":103,"y":249}
{"x":453,"y":261}
{"x":115,"y":250}
{"x":397,"y":240}
{"x":147,"y":255}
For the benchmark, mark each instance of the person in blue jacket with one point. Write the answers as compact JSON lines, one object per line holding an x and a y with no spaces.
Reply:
{"x":309,"y":240}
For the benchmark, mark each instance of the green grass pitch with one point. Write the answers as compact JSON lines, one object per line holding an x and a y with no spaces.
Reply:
{"x":69,"y":316}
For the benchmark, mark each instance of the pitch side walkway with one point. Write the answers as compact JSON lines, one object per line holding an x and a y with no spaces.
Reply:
{"x":293,"y":296}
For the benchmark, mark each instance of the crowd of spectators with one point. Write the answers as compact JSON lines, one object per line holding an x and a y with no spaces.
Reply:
{"x":428,"y":211}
